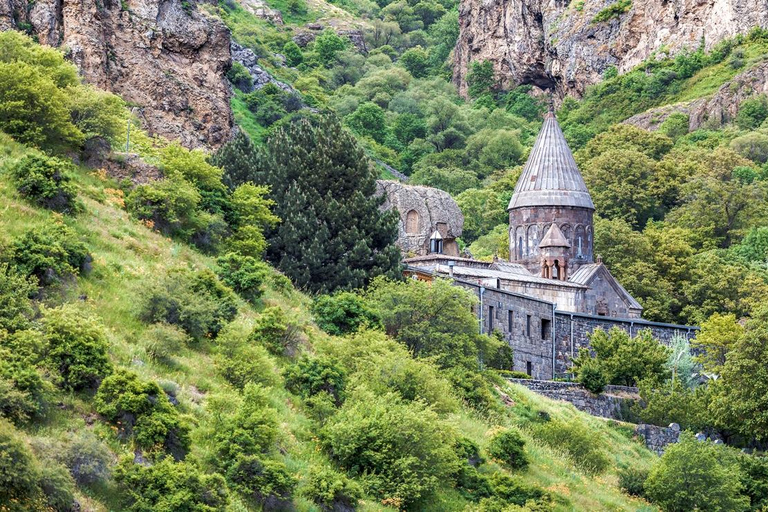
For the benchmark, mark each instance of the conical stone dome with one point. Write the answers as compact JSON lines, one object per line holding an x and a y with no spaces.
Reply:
{"x":550,"y":176}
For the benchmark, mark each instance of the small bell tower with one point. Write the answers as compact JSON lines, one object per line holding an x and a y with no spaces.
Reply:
{"x":554,"y":251}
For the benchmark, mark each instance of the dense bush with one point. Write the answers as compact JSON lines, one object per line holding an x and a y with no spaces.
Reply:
{"x":240,"y":77}
{"x":46,"y":181}
{"x":169,"y":486}
{"x":275,"y":332}
{"x":591,"y":375}
{"x":752,"y":112}
{"x":310,"y":376}
{"x":141,"y":411}
{"x":26,"y":485}
{"x":508,"y":446}
{"x":50,"y":253}
{"x":400,"y":451}
{"x":15,"y":306}
{"x":331,"y":490}
{"x":244,"y":274}
{"x":23,"y":391}
{"x":632,"y":481}
{"x":513,"y":491}
{"x":266,"y":481}
{"x":241,"y":362}
{"x":693,"y":475}
{"x":76,"y":347}
{"x":575,"y":439}
{"x":163,"y":341}
{"x":252,"y":430}
{"x":343,"y":313}
{"x":196,"y":301}
{"x":87,"y":458}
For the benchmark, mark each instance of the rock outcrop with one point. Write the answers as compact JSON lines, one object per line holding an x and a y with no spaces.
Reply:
{"x":554,"y":44}
{"x":714,"y":111}
{"x":260,"y":76}
{"x":163,"y":56}
{"x":423,"y":210}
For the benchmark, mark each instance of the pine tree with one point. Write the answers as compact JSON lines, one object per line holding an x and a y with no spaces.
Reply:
{"x":332,"y":235}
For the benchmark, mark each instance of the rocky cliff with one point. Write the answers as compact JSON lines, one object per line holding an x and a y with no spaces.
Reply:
{"x":554,"y":44}
{"x":163,"y":56}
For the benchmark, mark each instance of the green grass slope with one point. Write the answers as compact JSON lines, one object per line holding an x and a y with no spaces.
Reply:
{"x":127,"y":256}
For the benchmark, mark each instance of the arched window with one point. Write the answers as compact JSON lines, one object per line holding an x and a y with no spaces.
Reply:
{"x":556,"y":270}
{"x":588,"y":248}
{"x":412,"y":222}
{"x":520,"y":237}
{"x":579,"y":246}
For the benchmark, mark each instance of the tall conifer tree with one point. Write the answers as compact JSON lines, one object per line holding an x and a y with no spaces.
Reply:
{"x":332,"y":235}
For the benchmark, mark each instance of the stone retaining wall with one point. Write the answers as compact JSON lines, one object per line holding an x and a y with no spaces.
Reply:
{"x":657,"y":438}
{"x":612,"y":403}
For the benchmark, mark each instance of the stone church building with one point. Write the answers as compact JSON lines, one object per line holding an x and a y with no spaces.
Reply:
{"x":554,"y":290}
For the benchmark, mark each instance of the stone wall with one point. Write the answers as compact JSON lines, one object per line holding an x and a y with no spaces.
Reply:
{"x":610,"y":404}
{"x":657,"y":438}
{"x":533,"y":332}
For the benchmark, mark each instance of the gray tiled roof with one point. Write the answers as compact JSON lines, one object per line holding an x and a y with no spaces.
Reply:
{"x":550,"y":176}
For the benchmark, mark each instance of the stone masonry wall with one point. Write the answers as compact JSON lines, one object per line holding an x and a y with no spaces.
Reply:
{"x":608,"y":404}
{"x":657,"y":438}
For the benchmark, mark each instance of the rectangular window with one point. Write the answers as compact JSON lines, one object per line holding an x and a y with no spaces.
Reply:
{"x":510,"y":319}
{"x":529,"y":368}
{"x":490,"y":319}
{"x":528,"y":325}
{"x":545,"y":328}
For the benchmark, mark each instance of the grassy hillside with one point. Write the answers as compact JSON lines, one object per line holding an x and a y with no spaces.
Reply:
{"x":127,"y":256}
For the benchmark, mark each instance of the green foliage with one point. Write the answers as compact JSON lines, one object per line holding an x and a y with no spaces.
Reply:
{"x":141,"y":410}
{"x":519,"y":102}
{"x":244,"y":274}
{"x":368,"y":121}
{"x":332,"y":234}
{"x":250,"y":431}
{"x":50,"y":254}
{"x":577,"y":441}
{"x":268,"y":482}
{"x":15,"y":306}
{"x":76,"y":347}
{"x":293,"y":54}
{"x":23,"y":392}
{"x":46,"y":181}
{"x":416,"y":61}
{"x":432,"y":320}
{"x":331,"y":490}
{"x":169,"y":486}
{"x":481,"y":79}
{"x":87,"y":459}
{"x":343,"y":313}
{"x":753,"y":145}
{"x":754,"y":477}
{"x":673,"y":402}
{"x":718,"y":335}
{"x":591,"y":374}
{"x":195,"y":301}
{"x":240,"y":77}
{"x":241,"y":362}
{"x":163,"y":341}
{"x":251,"y":215}
{"x":675,"y":125}
{"x":310,"y":376}
{"x":632,"y":481}
{"x":275,"y":332}
{"x":170,"y":204}
{"x":623,"y":360}
{"x":327,"y":45}
{"x":752,"y":112}
{"x":694,"y":475}
{"x":614,"y":10}
{"x":398,"y":450}
{"x":508,"y":446}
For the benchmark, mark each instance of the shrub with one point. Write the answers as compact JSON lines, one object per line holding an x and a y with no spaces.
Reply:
{"x":170,"y":205}
{"x":752,"y":112}
{"x":693,"y":475}
{"x":343,"y":313}
{"x":19,"y":472}
{"x":400,"y":451}
{"x":49,"y":253}
{"x":162,"y":341}
{"x":752,"y":145}
{"x":195,"y":301}
{"x":332,"y":490}
{"x":513,"y":491}
{"x":293,"y":54}
{"x":266,"y":481}
{"x":754,"y":477}
{"x":169,"y":486}
{"x":613,"y":11}
{"x":577,"y":441}
{"x":310,"y":376}
{"x":46,"y":181}
{"x":141,"y":410}
{"x":632,"y":480}
{"x":87,"y":458}
{"x":23,"y":391}
{"x":275,"y":332}
{"x":591,"y":376}
{"x":77,"y":347}
{"x":240,"y":77}
{"x":57,"y":486}
{"x":513,"y":374}
{"x":252,"y":430}
{"x":508,"y":446}
{"x":244,"y":274}
{"x":15,"y":306}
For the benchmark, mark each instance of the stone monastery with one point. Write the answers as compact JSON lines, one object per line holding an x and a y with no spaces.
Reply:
{"x":554,"y":291}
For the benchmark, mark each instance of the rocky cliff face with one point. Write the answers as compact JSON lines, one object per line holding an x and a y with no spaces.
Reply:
{"x":161,"y":55}
{"x":554,"y":44}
